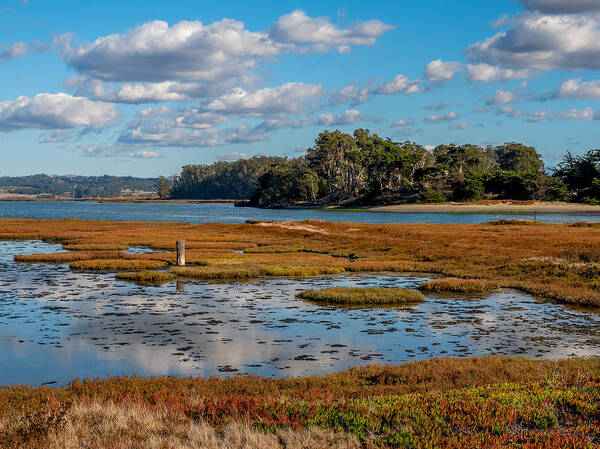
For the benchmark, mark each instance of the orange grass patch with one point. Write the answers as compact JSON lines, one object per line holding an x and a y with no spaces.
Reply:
{"x":363,"y":296}
{"x":147,"y":277}
{"x":456,"y":285}
{"x":250,"y":271}
{"x":96,"y":247}
{"x":68,"y":256}
{"x":116,"y":265}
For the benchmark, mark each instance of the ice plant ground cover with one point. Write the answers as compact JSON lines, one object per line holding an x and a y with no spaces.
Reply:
{"x":485,"y":402}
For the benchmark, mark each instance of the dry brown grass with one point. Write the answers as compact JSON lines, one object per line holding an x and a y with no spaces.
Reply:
{"x":124,"y":426}
{"x":455,"y":285}
{"x":513,"y":254}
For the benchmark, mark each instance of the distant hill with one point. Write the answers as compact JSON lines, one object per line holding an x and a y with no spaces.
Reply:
{"x":72,"y":186}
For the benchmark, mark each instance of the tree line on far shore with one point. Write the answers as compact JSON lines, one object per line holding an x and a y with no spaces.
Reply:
{"x":365,"y":169}
{"x":72,"y":186}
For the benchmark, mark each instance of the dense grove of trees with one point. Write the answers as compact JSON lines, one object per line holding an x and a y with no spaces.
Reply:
{"x":364,"y":168}
{"x":75,"y":186}
{"x":222,"y":180}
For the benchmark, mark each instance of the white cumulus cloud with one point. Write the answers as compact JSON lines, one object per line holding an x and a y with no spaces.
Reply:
{"x":588,"y":113}
{"x":287,"y":98}
{"x":503,"y":97}
{"x":442,"y":118}
{"x":322,"y":35}
{"x":400,"y":84}
{"x":575,"y":88}
{"x":155,"y":51}
{"x":19,"y":49}
{"x":347,"y":118}
{"x":55,"y":111}
{"x":117,"y":151}
{"x":350,"y":94}
{"x":233,"y":156}
{"x":401,"y":123}
{"x":439,"y":71}
{"x":542,"y":41}
{"x":488,"y":73}
{"x":136,"y":93}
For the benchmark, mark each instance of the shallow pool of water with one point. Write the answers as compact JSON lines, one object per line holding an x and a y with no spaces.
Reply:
{"x":56,"y":325}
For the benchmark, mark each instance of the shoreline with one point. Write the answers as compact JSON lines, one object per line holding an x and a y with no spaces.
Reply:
{"x":108,"y":200}
{"x":492,"y":207}
{"x":483,"y":208}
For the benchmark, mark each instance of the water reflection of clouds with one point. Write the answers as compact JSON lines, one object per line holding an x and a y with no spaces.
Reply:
{"x":89,"y":324}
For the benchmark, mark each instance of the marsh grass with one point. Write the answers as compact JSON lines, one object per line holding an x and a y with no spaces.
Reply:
{"x":147,"y":277}
{"x":513,"y":222}
{"x":117,"y":265}
{"x":250,"y":271}
{"x":457,"y":285}
{"x":18,"y":237}
{"x":514,"y":254}
{"x":68,"y":256}
{"x":363,"y":296}
{"x":204,"y":245}
{"x":96,"y":247}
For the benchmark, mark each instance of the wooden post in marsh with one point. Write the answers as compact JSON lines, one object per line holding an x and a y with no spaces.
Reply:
{"x":181,"y":253}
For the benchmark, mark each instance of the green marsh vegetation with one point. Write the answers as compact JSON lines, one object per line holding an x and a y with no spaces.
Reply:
{"x":363,"y":296}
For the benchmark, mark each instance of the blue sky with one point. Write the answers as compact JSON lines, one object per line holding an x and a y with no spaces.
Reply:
{"x":144,"y":87}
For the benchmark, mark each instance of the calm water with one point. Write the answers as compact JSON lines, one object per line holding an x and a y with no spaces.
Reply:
{"x":227,"y":213}
{"x":56,"y":325}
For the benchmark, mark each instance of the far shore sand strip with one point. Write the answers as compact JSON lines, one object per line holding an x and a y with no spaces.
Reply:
{"x":508,"y":207}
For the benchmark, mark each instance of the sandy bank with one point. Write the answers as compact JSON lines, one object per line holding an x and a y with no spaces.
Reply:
{"x":496,"y":207}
